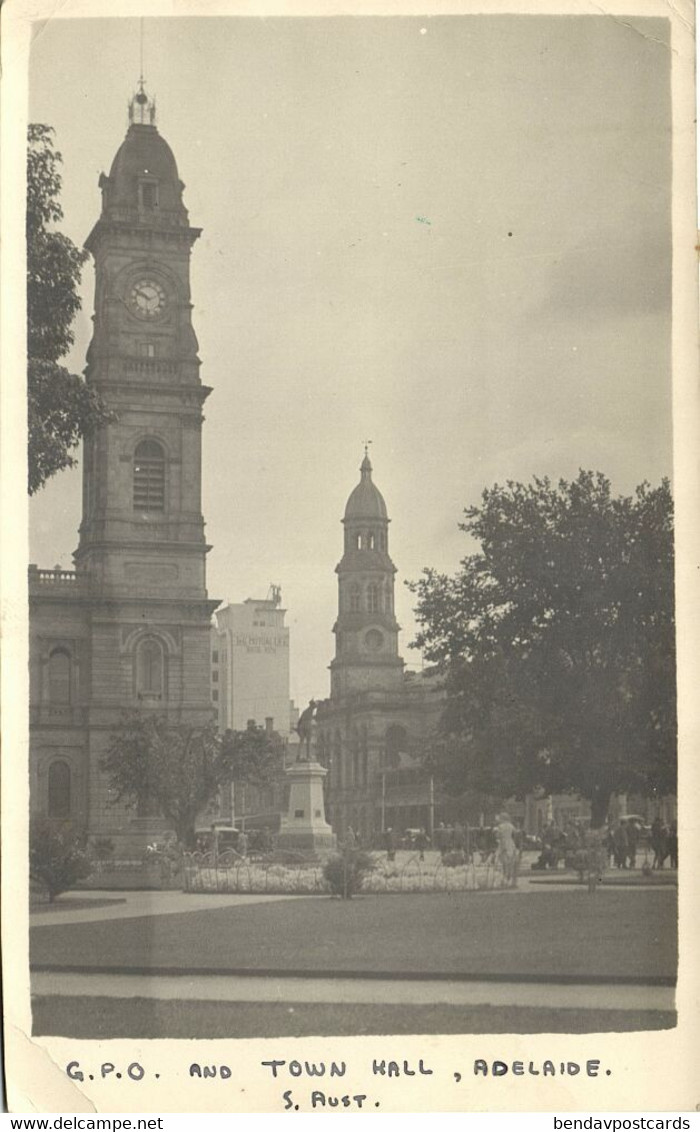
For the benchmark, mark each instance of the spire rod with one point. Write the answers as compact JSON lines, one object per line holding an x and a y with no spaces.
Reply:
{"x":366,"y":465}
{"x":142,"y":108}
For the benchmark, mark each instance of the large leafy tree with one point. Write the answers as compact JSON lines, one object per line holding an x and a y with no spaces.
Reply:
{"x":556,"y":639}
{"x":179,"y":768}
{"x":61,"y":408}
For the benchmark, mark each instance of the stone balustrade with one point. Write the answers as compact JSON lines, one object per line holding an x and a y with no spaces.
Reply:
{"x":63,"y":579}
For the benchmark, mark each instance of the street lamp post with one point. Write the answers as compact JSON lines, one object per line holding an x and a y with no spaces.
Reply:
{"x":383,"y":800}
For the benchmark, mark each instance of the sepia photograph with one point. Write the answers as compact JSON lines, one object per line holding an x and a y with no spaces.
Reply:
{"x":352,"y":632}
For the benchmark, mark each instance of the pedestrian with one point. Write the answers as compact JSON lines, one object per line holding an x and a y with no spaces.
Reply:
{"x":632,"y":843}
{"x":620,"y":845}
{"x":421,"y":844}
{"x":350,"y":839}
{"x":673,"y":845}
{"x":507,"y":852}
{"x":242,"y":846}
{"x":439,"y":838}
{"x":664,"y":839}
{"x":657,"y":843}
{"x":390,"y":844}
{"x":458,"y":839}
{"x":610,"y":842}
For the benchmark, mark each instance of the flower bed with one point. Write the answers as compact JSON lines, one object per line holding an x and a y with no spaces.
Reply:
{"x":230,"y":873}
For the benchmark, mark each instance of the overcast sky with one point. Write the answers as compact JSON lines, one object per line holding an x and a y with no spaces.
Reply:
{"x":449,"y":235}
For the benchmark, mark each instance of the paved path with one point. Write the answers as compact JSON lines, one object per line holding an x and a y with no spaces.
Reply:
{"x":129,"y":905}
{"x":414,"y":992}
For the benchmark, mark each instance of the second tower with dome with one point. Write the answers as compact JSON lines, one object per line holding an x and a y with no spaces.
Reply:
{"x":366,"y":630}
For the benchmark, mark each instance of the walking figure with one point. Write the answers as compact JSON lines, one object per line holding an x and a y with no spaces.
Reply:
{"x":507,"y":852}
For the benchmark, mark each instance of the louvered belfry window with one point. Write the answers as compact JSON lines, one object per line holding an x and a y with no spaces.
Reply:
{"x":149,"y":477}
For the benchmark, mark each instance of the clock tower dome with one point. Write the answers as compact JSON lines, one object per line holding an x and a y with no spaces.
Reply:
{"x":366,"y":630}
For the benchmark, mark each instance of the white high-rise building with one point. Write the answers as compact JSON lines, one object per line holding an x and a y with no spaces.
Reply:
{"x":250,"y":665}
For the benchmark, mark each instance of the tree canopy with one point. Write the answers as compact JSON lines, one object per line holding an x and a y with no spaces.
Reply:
{"x":61,"y":408}
{"x":556,"y":639}
{"x":178,"y":768}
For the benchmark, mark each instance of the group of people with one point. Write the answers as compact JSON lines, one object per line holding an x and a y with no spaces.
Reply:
{"x":623,"y":840}
{"x":622,"y":844}
{"x":500,"y":842}
{"x":559,"y":844}
{"x":664,"y":843}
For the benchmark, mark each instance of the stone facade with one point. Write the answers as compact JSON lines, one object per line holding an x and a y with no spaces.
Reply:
{"x":129,"y":628}
{"x":379,"y":720}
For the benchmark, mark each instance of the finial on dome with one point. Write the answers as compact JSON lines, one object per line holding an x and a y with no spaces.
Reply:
{"x":366,"y":465}
{"x":142,"y":108}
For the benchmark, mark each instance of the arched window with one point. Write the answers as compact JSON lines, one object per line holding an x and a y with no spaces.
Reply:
{"x":59,"y":790}
{"x":59,"y":677}
{"x":373,"y":599}
{"x":354,"y":598}
{"x":149,"y":670}
{"x":396,"y":744}
{"x":149,"y":477}
{"x":358,"y":542}
{"x":370,"y":541}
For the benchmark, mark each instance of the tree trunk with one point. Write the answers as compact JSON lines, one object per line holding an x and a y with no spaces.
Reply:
{"x":600,"y":800}
{"x":185,"y":833}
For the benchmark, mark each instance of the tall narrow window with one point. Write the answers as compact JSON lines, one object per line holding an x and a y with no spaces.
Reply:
{"x":148,"y":194}
{"x":149,"y":670}
{"x":59,"y":677}
{"x":373,"y":602}
{"x":59,"y":790}
{"x":149,"y":477}
{"x":354,"y":598}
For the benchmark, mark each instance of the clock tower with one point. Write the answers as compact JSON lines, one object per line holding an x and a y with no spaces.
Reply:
{"x":366,"y":630}
{"x":140,"y":562}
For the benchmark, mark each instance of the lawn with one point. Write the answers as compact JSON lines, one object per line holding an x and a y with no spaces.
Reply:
{"x":95,"y":1018}
{"x":610,"y":935}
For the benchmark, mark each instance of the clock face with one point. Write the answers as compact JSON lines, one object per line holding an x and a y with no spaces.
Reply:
{"x":147,"y":299}
{"x":374,"y":640}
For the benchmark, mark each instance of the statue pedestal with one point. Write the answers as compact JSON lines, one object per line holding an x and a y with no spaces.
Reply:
{"x":304,"y":828}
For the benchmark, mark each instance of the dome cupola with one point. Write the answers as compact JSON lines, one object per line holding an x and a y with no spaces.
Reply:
{"x":366,"y":500}
{"x":143,"y":183}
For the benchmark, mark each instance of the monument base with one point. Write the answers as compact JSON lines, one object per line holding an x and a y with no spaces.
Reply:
{"x":304,"y":829}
